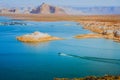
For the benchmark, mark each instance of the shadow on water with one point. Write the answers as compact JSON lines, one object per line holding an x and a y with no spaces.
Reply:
{"x":105,"y":60}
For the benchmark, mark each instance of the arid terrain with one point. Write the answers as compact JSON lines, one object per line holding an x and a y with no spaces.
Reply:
{"x":65,"y":17}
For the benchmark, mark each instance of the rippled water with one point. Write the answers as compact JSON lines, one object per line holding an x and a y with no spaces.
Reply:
{"x":41,"y":61}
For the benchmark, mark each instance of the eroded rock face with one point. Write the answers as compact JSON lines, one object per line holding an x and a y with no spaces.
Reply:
{"x":37,"y":37}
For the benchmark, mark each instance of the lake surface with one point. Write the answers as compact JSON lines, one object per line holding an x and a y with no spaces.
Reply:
{"x":41,"y":61}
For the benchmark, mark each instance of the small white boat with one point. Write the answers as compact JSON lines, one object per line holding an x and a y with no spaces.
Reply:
{"x":62,"y":54}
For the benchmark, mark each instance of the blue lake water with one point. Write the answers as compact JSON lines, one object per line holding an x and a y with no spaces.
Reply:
{"x":40,"y":61}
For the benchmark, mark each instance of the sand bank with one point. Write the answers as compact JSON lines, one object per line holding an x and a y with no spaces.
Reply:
{"x":83,"y":36}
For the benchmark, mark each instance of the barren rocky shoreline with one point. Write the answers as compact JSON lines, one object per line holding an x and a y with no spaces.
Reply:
{"x":106,"y":77}
{"x":108,"y":30}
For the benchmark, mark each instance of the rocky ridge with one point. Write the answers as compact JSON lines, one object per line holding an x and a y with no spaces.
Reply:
{"x":42,"y":9}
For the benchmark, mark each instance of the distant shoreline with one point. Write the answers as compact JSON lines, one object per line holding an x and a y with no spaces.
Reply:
{"x":76,"y":18}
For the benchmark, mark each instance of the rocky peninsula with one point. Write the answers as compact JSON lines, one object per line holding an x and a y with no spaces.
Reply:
{"x":37,"y":37}
{"x":108,"y":30}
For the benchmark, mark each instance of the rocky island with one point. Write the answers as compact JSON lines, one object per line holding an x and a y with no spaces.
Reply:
{"x":37,"y":37}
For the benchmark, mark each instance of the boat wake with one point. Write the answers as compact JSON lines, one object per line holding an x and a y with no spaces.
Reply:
{"x":98,"y":59}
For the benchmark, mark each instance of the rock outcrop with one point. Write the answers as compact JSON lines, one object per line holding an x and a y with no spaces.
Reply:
{"x":37,"y":37}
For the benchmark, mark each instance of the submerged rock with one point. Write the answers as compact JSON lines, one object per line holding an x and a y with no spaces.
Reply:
{"x":37,"y":37}
{"x":12,"y":23}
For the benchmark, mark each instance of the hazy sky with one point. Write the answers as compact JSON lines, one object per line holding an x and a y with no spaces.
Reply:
{"x":21,"y":3}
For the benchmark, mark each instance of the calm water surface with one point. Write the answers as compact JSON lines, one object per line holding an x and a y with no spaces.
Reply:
{"x":40,"y":61}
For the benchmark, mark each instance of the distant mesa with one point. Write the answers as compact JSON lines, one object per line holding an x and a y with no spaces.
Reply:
{"x":42,"y":9}
{"x":37,"y":37}
{"x":47,"y":9}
